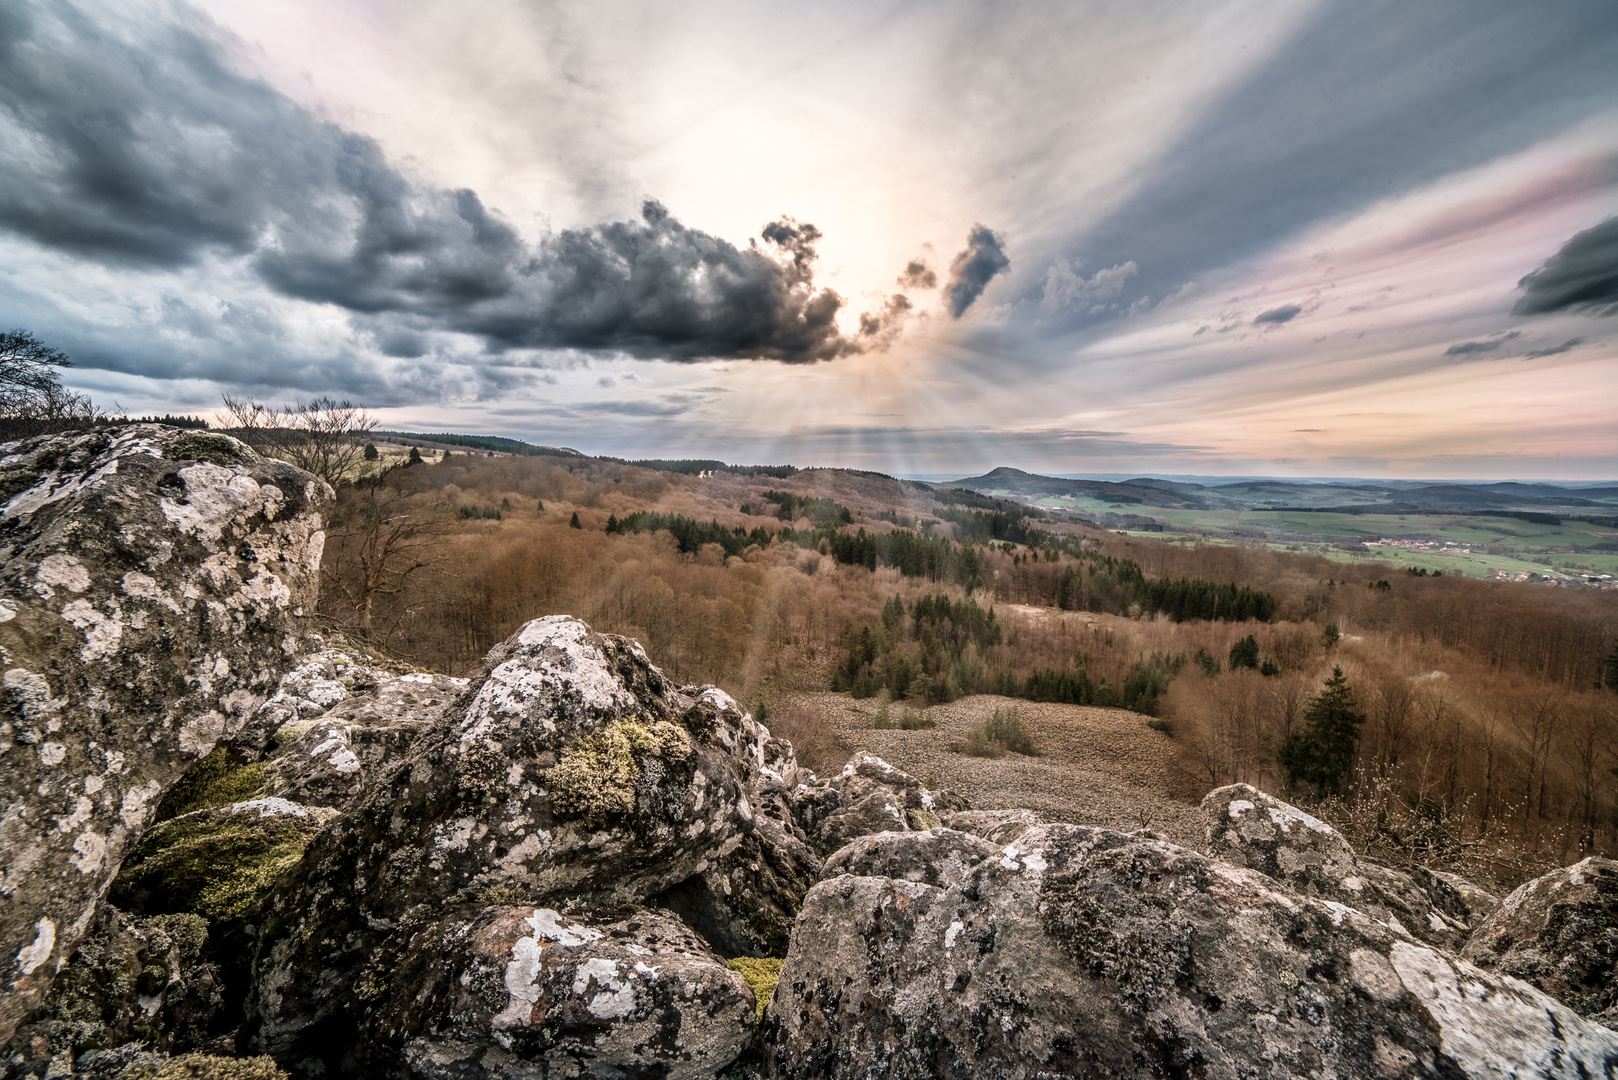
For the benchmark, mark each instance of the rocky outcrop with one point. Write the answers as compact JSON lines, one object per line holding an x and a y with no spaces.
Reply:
{"x":868,"y":796}
{"x":575,"y":778}
{"x":153,"y":587}
{"x":1084,"y":952}
{"x":529,"y":991}
{"x":1247,"y":827}
{"x":998,"y":826}
{"x":1560,"y":933}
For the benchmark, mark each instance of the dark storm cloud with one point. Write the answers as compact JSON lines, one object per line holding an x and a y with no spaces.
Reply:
{"x":1469,"y":348}
{"x":973,"y":269}
{"x":1583,"y":276}
{"x":1282,"y":314}
{"x":918,"y":275}
{"x":1556,"y":350}
{"x":1368,"y":99}
{"x":147,"y":150}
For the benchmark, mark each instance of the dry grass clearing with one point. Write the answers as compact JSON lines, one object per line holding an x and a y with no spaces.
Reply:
{"x":1096,"y":766}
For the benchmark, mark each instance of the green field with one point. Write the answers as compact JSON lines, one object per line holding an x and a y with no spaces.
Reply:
{"x":1485,"y":543}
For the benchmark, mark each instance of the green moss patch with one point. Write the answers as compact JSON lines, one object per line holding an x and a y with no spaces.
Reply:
{"x":217,"y":780}
{"x":214,"y":864}
{"x":761,"y":974}
{"x":205,"y":1067}
{"x":599,"y":772}
{"x":206,"y":446}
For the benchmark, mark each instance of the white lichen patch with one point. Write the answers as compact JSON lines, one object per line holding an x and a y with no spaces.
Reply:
{"x":89,"y":852}
{"x":547,"y":924}
{"x":102,"y":633}
{"x":217,"y":498}
{"x":269,"y":807}
{"x":63,"y":570}
{"x":30,"y":957}
{"x":135,"y":806}
{"x":952,"y":933}
{"x":615,"y":998}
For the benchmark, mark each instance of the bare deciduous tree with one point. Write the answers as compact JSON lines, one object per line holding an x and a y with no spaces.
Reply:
{"x":324,"y":437}
{"x":378,"y":545}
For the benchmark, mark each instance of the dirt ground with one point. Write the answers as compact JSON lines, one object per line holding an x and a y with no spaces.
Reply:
{"x":1096,"y":766}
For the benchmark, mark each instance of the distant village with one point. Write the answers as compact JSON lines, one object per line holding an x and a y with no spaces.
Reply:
{"x":1551,"y":579}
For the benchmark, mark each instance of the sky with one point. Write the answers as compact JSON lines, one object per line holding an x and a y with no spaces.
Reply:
{"x":1314,"y":238}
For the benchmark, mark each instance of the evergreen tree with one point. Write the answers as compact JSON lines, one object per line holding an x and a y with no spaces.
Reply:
{"x":1244,"y":653}
{"x":415,"y":456}
{"x":1610,"y":676}
{"x":612,"y":523}
{"x":541,"y":508}
{"x":573,"y":523}
{"x":370,"y":452}
{"x":1322,"y":751}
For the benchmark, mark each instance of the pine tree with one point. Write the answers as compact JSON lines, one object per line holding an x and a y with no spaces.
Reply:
{"x":1322,"y":751}
{"x":370,"y":452}
{"x":612,"y":523}
{"x":1244,"y":653}
{"x":415,"y":456}
{"x":574,"y":522}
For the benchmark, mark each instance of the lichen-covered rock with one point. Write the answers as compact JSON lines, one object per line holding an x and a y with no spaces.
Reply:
{"x":576,"y":777}
{"x":997,"y":826}
{"x":325,"y":759}
{"x":217,"y":863}
{"x":944,"y":858}
{"x":131,"y":979}
{"x":152,"y":591}
{"x":745,"y":900}
{"x":1086,"y":952}
{"x":868,"y":796}
{"x":528,"y":991}
{"x":1560,"y":933}
{"x":1247,"y":827}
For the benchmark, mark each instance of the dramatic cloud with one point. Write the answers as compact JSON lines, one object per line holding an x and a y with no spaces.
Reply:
{"x":918,"y":275}
{"x":1583,"y":276}
{"x":973,"y":269}
{"x":1282,"y":314}
{"x":1468,"y":348}
{"x":1556,"y":350}
{"x":140,"y":147}
{"x":1066,"y":287}
{"x":883,"y":326}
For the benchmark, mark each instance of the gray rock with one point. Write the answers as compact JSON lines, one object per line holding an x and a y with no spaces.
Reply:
{"x":324,"y":758}
{"x":577,"y":777}
{"x":152,"y":595}
{"x":131,"y":979}
{"x":998,"y":826}
{"x":1560,"y":933}
{"x":530,"y":992}
{"x":1086,"y":952}
{"x":943,"y":858}
{"x":744,"y":902}
{"x":868,"y":796}
{"x":1247,"y":827}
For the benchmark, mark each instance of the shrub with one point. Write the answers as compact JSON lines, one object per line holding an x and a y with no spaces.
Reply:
{"x":1161,"y":725}
{"x":1000,"y":734}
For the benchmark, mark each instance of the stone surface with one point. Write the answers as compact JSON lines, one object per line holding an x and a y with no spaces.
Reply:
{"x":324,"y":757}
{"x":530,"y":992}
{"x":1250,"y":828}
{"x":745,"y":901}
{"x":1086,"y":952}
{"x":999,"y":826}
{"x":577,"y":777}
{"x":1560,"y":933}
{"x":131,"y":979}
{"x":868,"y":796}
{"x":152,"y":594}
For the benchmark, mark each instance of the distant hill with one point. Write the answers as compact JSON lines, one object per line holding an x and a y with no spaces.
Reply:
{"x":1336,"y":497}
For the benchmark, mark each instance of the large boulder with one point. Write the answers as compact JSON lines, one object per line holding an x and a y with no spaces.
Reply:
{"x":1247,"y":827}
{"x":153,"y":591}
{"x":576,"y":777}
{"x":1559,"y":932}
{"x":868,"y":796}
{"x":529,"y":992}
{"x":1084,"y":952}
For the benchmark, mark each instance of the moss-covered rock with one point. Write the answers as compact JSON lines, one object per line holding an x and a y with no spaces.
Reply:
{"x":218,"y":862}
{"x":601,"y":772}
{"x":219,"y":779}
